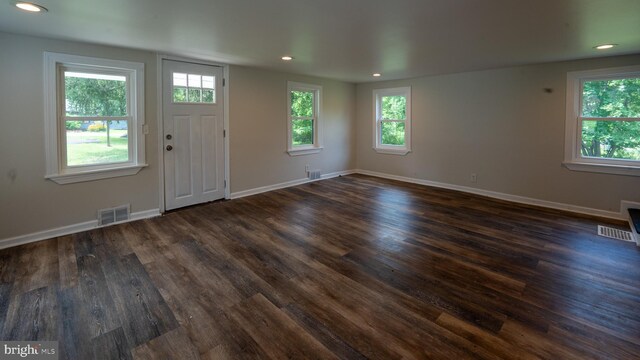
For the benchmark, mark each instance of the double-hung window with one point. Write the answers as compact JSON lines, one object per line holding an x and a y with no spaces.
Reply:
{"x":94,"y":116}
{"x":392,"y":122}
{"x":303,"y":120}
{"x":603,"y":121}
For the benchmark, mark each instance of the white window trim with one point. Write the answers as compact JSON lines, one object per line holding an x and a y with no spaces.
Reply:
{"x":573,"y":158}
{"x":317,"y":123}
{"x":377,"y":111}
{"x":55,"y":170}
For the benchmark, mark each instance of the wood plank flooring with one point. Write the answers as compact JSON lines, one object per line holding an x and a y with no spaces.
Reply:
{"x":354,"y":267}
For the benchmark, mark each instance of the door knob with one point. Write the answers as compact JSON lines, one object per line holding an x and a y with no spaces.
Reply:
{"x":169,"y":147}
{"x":169,"y":136}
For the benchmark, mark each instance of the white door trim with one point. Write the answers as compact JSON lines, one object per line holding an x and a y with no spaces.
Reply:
{"x":160,"y":122}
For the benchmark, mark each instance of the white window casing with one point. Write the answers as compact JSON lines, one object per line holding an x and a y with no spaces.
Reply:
{"x":55,"y":116}
{"x":316,"y":147}
{"x":378,"y":146}
{"x":573,"y":157}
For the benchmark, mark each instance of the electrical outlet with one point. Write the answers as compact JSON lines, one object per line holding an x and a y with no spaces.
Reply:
{"x":474,"y":178}
{"x":306,"y":168}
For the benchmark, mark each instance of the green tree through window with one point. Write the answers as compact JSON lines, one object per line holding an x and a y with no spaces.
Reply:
{"x":393,"y":108}
{"x":95,"y":97}
{"x":611,"y":138}
{"x":89,"y":99}
{"x":302,"y":117}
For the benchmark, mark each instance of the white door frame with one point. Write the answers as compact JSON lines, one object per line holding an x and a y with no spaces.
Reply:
{"x":160,"y":121}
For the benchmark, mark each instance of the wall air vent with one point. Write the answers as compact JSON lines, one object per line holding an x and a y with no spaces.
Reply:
{"x":113,"y":215}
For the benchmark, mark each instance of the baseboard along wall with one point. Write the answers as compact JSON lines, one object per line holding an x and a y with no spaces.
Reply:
{"x":499,"y":195}
{"x":74,"y":228}
{"x":70,"y":229}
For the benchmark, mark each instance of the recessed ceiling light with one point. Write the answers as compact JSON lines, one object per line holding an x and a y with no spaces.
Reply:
{"x":377,"y":75}
{"x":287,"y":58}
{"x":30,"y":7}
{"x":605,"y":46}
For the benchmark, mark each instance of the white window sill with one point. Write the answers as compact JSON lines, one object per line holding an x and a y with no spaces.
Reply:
{"x":92,"y":175}
{"x":603,"y":168}
{"x":304,"y":151}
{"x":402,"y":151}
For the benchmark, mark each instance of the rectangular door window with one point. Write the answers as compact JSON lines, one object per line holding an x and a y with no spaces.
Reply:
{"x":193,"y":88}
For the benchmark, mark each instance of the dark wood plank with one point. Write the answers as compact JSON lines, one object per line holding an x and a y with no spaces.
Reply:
{"x":32,"y":317}
{"x":75,"y":325}
{"x":481,"y":338}
{"x":351,"y":267}
{"x":198,"y":320}
{"x":9,"y":264}
{"x":143,"y":312}
{"x":237,"y":344}
{"x":455,"y":301}
{"x":406,"y":333}
{"x":68,"y":266}
{"x":111,"y":346}
{"x":259,"y":317}
{"x":5,"y":297}
{"x":322,"y":333}
{"x":538,"y":344}
{"x":37,"y":266}
{"x":174,"y":344}
{"x":100,"y":310}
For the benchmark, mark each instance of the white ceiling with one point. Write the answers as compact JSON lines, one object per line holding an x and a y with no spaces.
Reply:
{"x":346,"y":39}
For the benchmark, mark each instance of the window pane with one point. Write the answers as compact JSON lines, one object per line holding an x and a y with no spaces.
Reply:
{"x":392,"y":133}
{"x":179,"y":79}
{"x":611,"y":139}
{"x":302,"y":132}
{"x":394,"y":108}
{"x":91,"y":142}
{"x":611,"y":98}
{"x":208,"y":82}
{"x":194,"y":95}
{"x":90,"y":94}
{"x":208,"y":96}
{"x":180,"y":95}
{"x":302,"y":103}
{"x":194,"y":81}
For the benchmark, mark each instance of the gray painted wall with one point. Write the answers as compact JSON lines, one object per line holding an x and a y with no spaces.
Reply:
{"x":29,"y":203}
{"x":258,"y":128}
{"x":499,"y":124}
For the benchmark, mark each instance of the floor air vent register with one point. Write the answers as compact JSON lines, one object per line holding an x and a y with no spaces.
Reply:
{"x":615,"y":233}
{"x":113,"y":215}
{"x":314,"y":174}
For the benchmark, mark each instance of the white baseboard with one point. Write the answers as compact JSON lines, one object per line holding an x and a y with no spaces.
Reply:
{"x":69,"y":229}
{"x":258,"y":190}
{"x":466,"y":189}
{"x":145,"y":214}
{"x":499,"y":195}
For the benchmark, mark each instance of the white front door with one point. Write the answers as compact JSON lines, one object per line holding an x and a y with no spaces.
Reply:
{"x":193,"y":133}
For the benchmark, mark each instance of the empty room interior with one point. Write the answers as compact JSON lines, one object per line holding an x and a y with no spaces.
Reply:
{"x":358,"y":179}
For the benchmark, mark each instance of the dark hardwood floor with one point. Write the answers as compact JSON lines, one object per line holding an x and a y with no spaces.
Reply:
{"x":353,"y":267}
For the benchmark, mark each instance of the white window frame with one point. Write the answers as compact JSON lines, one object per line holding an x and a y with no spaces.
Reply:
{"x":573,"y":158}
{"x":54,"y":117}
{"x":377,"y":121}
{"x":316,"y":147}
